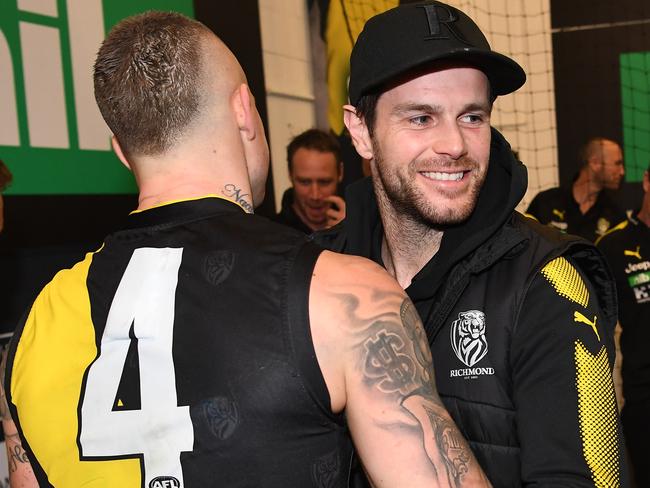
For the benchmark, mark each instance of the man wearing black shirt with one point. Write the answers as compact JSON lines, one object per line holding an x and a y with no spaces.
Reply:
{"x":315,"y":169}
{"x":585,"y":209}
{"x":519,"y":317}
{"x":627,"y":248}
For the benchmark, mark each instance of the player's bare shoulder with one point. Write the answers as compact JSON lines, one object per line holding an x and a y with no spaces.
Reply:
{"x":335,"y":270}
{"x":348,"y":291}
{"x":347,"y":295}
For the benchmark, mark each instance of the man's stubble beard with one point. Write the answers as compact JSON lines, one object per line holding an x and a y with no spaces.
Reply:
{"x":409,"y":202}
{"x":602,"y":182}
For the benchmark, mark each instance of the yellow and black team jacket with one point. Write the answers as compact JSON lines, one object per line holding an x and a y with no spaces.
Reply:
{"x":520,"y":321}
{"x":179,"y":355}
{"x":627,"y":249}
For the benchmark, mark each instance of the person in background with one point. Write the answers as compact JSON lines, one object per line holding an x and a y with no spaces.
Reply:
{"x":196,"y":347}
{"x":315,"y":170}
{"x":627,"y":249}
{"x":585,"y":209}
{"x":5,"y":180}
{"x":519,"y":316}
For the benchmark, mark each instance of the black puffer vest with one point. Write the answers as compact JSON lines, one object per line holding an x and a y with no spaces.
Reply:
{"x":484,"y":265}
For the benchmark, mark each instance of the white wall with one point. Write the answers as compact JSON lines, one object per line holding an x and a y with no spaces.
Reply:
{"x":527,"y":118}
{"x":288,"y":79}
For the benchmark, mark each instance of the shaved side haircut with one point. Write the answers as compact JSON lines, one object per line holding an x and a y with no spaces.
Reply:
{"x":147,"y":80}
{"x":593,"y":147}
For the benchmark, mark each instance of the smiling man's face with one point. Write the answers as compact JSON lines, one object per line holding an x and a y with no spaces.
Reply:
{"x":315,"y":176}
{"x":431,"y":144}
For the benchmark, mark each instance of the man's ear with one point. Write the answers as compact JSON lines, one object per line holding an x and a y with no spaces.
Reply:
{"x":120,"y":154}
{"x":243,"y":106}
{"x":646,"y":181}
{"x":340,"y":179}
{"x":595,"y":162}
{"x":358,"y":132}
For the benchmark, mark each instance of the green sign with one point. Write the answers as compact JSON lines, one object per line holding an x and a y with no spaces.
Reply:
{"x":638,"y":279}
{"x":635,"y":100}
{"x":52,"y":136}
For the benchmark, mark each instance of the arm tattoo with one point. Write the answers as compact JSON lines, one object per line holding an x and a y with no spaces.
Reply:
{"x":454,"y":452}
{"x":16,"y":454}
{"x":4,"y":407}
{"x":232,"y":191}
{"x":388,"y":366}
{"x":397,"y":361}
{"x":397,"y":355}
{"x":411,"y":321}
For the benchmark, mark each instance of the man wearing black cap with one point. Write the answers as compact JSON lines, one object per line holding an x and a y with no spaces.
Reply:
{"x":519,"y":317}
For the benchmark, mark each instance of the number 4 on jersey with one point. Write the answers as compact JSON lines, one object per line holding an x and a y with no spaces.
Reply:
{"x":160,"y":430}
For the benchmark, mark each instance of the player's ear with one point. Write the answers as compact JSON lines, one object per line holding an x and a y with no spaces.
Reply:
{"x":358,"y":132}
{"x":594,"y":162}
{"x":120,"y":154}
{"x":243,"y":106}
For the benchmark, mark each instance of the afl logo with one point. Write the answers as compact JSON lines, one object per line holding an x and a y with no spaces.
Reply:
{"x":164,"y":482}
{"x":468,"y":337}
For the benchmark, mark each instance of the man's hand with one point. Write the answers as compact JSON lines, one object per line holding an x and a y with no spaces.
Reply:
{"x":336,"y":212}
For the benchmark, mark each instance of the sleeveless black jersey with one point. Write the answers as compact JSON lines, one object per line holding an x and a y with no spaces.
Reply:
{"x":179,"y":355}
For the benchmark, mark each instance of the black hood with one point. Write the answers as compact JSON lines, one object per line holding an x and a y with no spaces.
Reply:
{"x":504,"y":187}
{"x":287,"y":198}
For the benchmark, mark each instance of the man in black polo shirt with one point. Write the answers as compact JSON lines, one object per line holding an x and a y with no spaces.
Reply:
{"x":627,"y":248}
{"x":585,"y":209}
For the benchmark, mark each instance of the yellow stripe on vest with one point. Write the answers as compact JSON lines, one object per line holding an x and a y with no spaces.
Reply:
{"x":597,"y":413}
{"x":567,"y":281}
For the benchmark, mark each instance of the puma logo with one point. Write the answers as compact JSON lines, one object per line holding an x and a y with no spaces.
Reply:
{"x":578,"y":317}
{"x":559,"y":213}
{"x":636,"y":254}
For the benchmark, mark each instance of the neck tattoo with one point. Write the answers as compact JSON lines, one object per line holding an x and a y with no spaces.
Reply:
{"x":231,"y":191}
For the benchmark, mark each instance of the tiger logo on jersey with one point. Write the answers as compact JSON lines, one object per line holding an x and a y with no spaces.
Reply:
{"x":326,"y":470}
{"x":602,"y":226}
{"x":468,"y":337}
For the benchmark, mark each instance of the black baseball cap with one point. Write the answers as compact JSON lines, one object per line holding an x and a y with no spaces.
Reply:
{"x":412,"y":35}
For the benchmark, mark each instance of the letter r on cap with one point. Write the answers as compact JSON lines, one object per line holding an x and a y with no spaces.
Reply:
{"x":435,"y":22}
